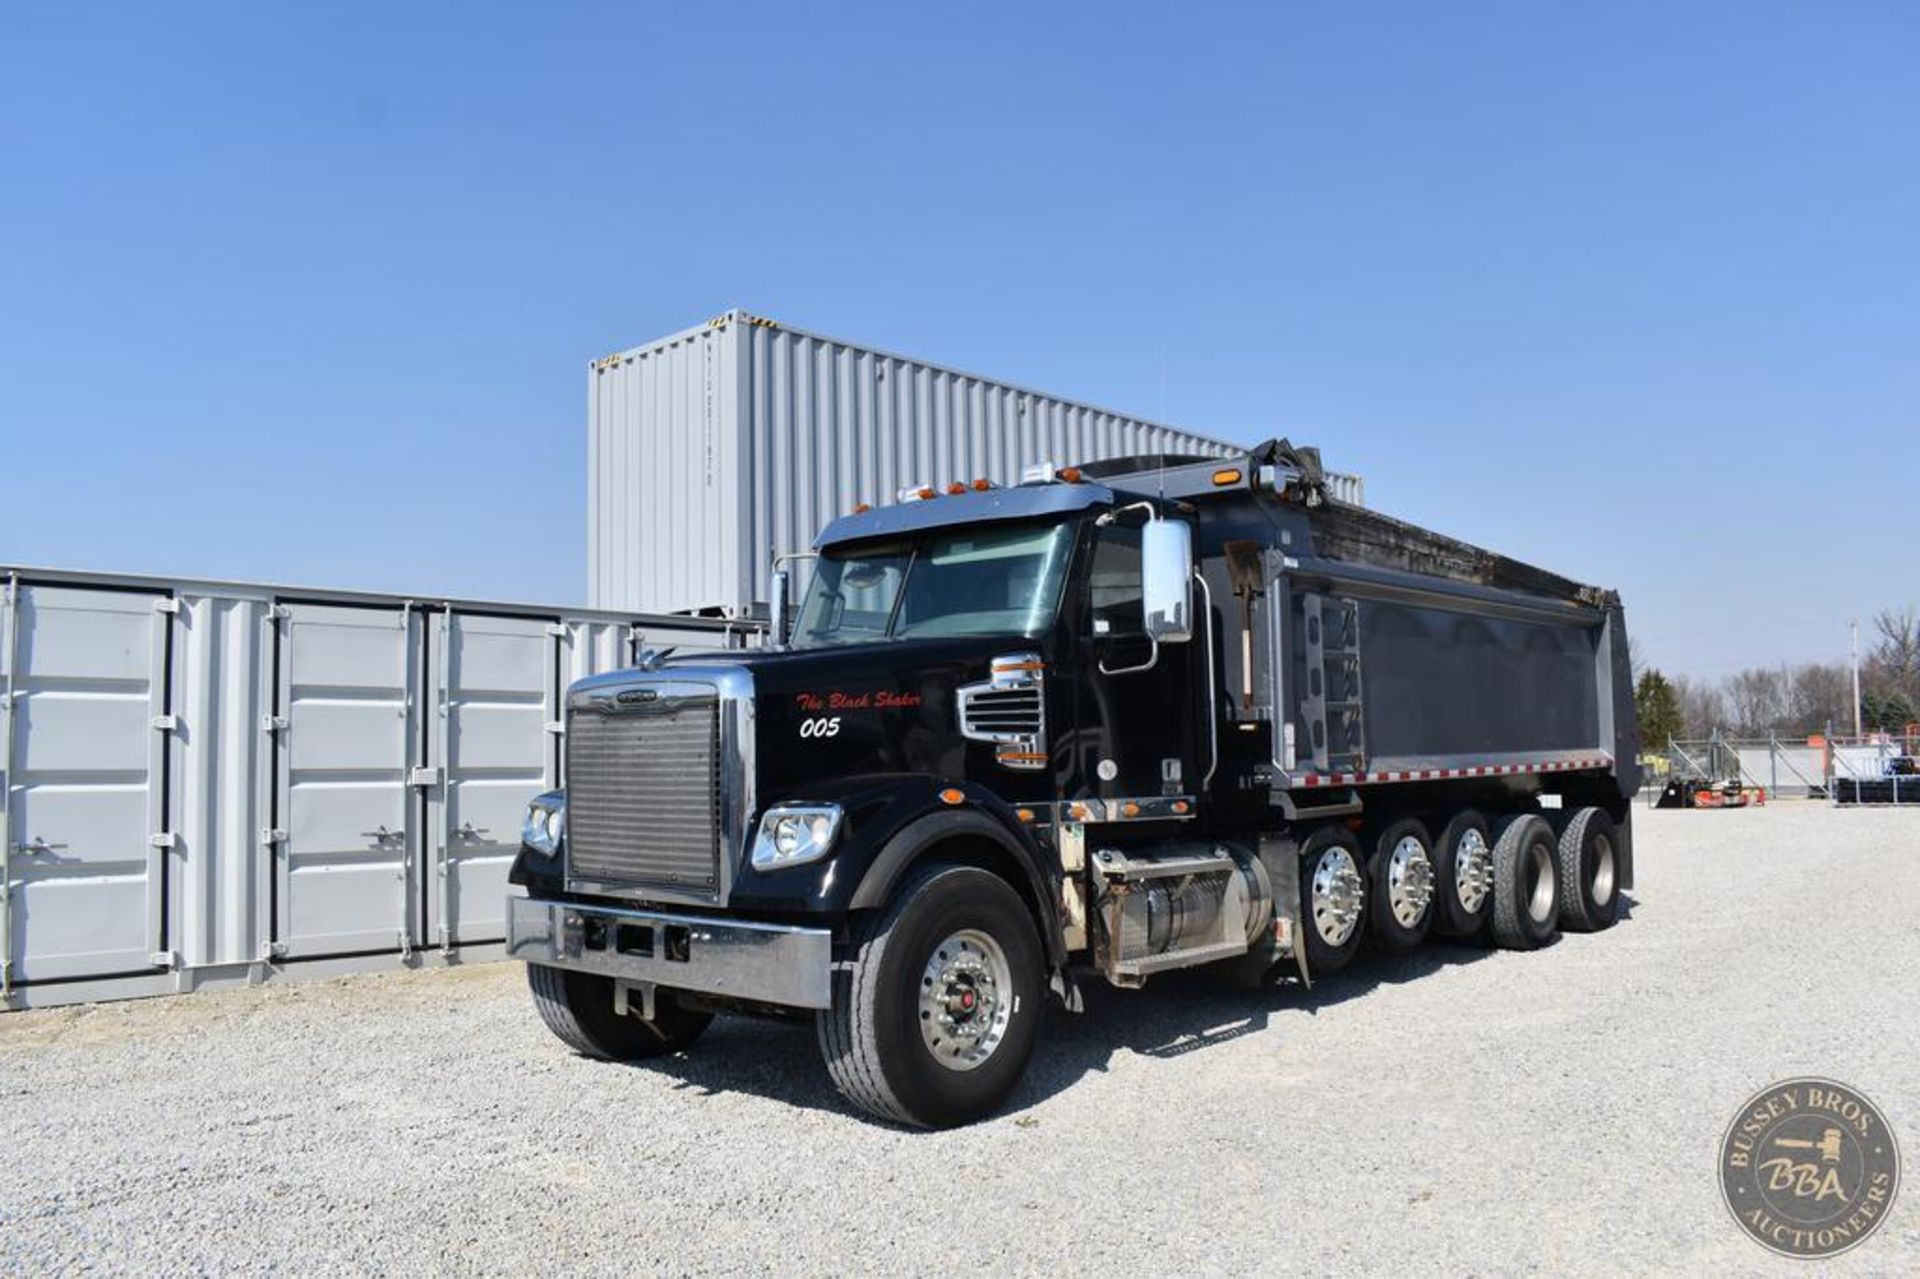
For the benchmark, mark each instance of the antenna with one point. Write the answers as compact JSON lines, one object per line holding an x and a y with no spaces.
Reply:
{"x":1161,"y":414}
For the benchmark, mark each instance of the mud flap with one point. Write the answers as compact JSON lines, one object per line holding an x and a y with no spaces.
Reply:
{"x":1281,"y":856}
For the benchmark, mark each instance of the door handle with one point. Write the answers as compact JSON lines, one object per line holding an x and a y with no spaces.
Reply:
{"x":37,"y":845}
{"x":469,"y":831}
{"x":382,"y":835}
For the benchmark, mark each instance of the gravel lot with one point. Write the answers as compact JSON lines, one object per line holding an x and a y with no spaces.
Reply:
{"x":1502,"y":1113}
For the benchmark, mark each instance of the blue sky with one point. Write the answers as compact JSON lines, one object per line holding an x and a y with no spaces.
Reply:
{"x":306,"y":292}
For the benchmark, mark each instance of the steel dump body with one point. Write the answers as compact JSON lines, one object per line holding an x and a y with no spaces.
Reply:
{"x":1361,"y":650}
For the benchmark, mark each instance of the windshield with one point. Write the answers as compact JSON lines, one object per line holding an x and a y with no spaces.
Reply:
{"x":991,"y":580}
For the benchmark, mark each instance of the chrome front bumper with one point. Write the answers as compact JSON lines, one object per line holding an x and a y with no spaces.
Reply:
{"x":767,"y":963}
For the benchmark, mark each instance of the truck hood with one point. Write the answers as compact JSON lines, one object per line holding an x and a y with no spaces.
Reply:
{"x":826,"y":715}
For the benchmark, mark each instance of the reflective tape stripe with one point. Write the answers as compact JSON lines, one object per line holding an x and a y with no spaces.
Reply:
{"x":1469,"y":770}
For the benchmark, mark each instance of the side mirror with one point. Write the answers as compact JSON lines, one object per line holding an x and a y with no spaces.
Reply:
{"x":1166,"y":580}
{"x":778,"y":591}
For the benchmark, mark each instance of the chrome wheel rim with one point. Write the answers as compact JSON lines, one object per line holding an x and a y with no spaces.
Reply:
{"x":1602,"y":871}
{"x":1540,"y":882}
{"x":1409,"y":881}
{"x":1338,"y":893}
{"x":1472,"y":870}
{"x":966,"y":999}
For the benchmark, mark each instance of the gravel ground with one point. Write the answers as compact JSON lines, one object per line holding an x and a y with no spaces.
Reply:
{"x":1503,"y":1113}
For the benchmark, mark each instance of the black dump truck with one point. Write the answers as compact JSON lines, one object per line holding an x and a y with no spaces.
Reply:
{"x":1116,"y":720}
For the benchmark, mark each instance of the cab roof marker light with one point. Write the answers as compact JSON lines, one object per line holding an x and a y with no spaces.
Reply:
{"x":955,"y":489}
{"x":982,"y":484}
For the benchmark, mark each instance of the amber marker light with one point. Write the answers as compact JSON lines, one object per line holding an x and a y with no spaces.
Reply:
{"x":953,"y":795}
{"x":1071,"y":474}
{"x":1229,"y":476}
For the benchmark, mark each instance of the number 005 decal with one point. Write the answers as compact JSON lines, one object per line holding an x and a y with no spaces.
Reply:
{"x":824,"y":726}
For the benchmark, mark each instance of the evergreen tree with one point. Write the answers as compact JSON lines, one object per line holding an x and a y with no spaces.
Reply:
{"x":1659,"y":709}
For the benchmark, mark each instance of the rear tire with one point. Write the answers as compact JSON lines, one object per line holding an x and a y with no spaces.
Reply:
{"x":1590,"y":865}
{"x":1526,"y":895}
{"x":1402,"y":884}
{"x":1463,"y":877}
{"x":1333,"y":899}
{"x":578,"y":1009}
{"x":936,"y":1001}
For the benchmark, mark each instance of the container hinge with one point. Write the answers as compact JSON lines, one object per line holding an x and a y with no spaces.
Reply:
{"x":556,"y":726}
{"x":165,"y":839}
{"x":272,"y":836}
{"x":278,"y":612}
{"x":166,"y":604}
{"x":162,"y":959}
{"x":423,"y":777}
{"x":273,"y":723}
{"x":272,"y":950}
{"x":166,"y":723}
{"x":559,"y":630}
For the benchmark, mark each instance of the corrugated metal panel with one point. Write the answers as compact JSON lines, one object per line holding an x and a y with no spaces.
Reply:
{"x":197,"y":775}
{"x":221,"y":775}
{"x":713,"y":450}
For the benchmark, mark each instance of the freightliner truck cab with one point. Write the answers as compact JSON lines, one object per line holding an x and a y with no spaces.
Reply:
{"x":1115,"y":720}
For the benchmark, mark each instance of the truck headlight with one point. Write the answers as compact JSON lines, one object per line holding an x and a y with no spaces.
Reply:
{"x":546,"y":823}
{"x":795,"y":834}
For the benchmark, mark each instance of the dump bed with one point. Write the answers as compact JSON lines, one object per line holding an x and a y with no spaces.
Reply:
{"x":1366,"y":649}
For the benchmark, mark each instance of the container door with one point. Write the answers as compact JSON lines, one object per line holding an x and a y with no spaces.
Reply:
{"x":496,"y":750}
{"x":347,"y":737}
{"x":84,"y":781}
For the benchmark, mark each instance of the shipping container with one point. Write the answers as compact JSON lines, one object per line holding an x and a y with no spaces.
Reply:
{"x":712,"y":451}
{"x":209,"y":783}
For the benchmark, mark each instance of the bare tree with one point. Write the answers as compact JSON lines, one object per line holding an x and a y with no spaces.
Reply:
{"x":1819,"y":697}
{"x":1894,"y":666}
{"x":1702,"y":707}
{"x":1757,"y":700}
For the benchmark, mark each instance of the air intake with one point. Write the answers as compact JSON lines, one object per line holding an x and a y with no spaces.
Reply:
{"x":1009,"y":710}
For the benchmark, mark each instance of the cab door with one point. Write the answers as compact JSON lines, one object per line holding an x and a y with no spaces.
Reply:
{"x":1137,"y":706}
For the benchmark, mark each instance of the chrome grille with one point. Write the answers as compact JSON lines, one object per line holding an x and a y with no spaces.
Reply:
{"x":643,"y":794}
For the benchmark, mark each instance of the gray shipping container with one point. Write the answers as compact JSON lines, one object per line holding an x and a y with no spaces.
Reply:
{"x":715,"y":449}
{"x":217,"y":783}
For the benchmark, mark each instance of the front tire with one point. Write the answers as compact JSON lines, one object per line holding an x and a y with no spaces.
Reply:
{"x":578,"y":1008}
{"x":936,"y":1001}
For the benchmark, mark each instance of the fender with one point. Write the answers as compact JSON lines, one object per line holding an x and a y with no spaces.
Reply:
{"x":928,"y":830}
{"x":880,"y":808}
